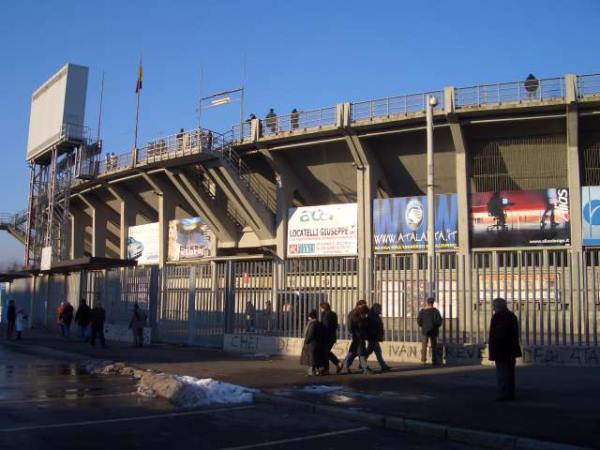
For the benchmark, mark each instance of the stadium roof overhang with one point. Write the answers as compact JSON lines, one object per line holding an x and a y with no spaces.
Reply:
{"x":89,"y":263}
{"x":9,"y":277}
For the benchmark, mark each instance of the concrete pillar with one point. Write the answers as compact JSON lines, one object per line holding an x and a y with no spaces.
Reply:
{"x":79,"y":222}
{"x":365,"y":183}
{"x":573,"y":167}
{"x":128,"y":216}
{"x":166,"y":212}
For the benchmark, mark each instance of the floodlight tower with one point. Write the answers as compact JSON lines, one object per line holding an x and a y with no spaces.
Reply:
{"x":58,"y":144}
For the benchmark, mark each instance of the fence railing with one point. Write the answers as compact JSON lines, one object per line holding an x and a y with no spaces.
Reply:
{"x":555,"y":295}
{"x":233,"y":160}
{"x":242,"y":132}
{"x":516,"y":91}
{"x":394,"y":106}
{"x":301,"y":121}
{"x":588,"y":85}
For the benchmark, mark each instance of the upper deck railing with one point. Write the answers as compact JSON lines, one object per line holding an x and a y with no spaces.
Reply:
{"x":511,"y":92}
{"x":393,"y":106}
{"x":300,"y":120}
{"x":588,"y":85}
{"x":196,"y":141}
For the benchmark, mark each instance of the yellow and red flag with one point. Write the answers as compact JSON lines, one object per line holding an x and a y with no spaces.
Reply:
{"x":138,"y":83}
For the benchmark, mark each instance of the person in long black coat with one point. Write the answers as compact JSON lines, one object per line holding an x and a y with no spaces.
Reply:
{"x":312,"y":350}
{"x":504,"y":348}
{"x":329,"y":320}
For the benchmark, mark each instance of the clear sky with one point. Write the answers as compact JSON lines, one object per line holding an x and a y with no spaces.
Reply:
{"x":287,"y":54}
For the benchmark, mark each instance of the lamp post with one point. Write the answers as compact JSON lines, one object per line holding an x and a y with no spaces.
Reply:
{"x":431,"y":103}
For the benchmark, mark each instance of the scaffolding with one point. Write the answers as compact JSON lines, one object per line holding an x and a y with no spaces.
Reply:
{"x":51,"y":177}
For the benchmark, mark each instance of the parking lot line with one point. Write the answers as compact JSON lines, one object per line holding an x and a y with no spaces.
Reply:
{"x":299,"y":439}
{"x":68,"y":399}
{"x":123,"y":419}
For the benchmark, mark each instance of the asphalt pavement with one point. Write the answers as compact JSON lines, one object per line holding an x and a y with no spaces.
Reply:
{"x":47,"y":403}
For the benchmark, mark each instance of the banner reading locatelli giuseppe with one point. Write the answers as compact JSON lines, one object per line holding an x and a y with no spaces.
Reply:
{"x":401,"y":223}
{"x":324,"y":230}
{"x":517,"y":218}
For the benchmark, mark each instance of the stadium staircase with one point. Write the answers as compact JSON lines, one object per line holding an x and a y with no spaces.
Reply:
{"x":15,"y":225}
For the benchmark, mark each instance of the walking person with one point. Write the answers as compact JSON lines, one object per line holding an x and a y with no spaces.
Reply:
{"x":59,"y":318}
{"x":137,"y":324}
{"x":11,"y":318}
{"x":430,"y":321}
{"x":250,"y":316}
{"x":353,"y":318}
{"x":329,"y":320}
{"x":312,"y":349}
{"x":20,"y":323}
{"x":360,"y":334}
{"x":83,"y":317}
{"x":504,"y":348}
{"x":376,"y":335}
{"x":97,"y":322}
{"x":67,"y":318}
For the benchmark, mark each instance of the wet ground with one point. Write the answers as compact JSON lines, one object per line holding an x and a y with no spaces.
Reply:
{"x":49,"y":404}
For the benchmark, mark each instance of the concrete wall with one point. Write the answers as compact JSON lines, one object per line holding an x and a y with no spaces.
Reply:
{"x":410,"y":352}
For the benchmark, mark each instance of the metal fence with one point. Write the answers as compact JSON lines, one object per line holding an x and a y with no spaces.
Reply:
{"x":555,"y":294}
{"x":301,"y":121}
{"x":516,"y":91}
{"x":394,"y":106}
{"x":588,"y":85}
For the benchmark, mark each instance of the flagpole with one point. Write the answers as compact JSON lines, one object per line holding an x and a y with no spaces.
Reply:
{"x":138,"y":89}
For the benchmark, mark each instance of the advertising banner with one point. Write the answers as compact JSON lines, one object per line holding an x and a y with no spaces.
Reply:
{"x":189,"y":239}
{"x":520,"y":218}
{"x":142,"y":243}
{"x":404,"y":298}
{"x":326,"y":230}
{"x":401,"y":223}
{"x":590,"y":212}
{"x":523,"y":287}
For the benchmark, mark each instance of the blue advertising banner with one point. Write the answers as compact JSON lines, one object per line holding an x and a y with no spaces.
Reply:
{"x":590,"y":212}
{"x":401,"y":223}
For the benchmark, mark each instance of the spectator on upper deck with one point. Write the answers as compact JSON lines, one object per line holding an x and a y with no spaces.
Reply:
{"x":271,"y":121}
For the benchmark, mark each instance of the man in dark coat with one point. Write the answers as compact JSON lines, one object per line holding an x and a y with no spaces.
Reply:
{"x":353,"y":319}
{"x":376,"y":335}
{"x":360,"y":330}
{"x":98,"y":318}
{"x":83,"y":317}
{"x":11,"y":318}
{"x":504,"y":348}
{"x":312,"y":350}
{"x":430,"y":321}
{"x":329,"y":320}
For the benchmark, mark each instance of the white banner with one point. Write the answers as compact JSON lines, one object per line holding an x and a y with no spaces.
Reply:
{"x":325,"y":230}
{"x":142,"y":243}
{"x":189,"y":239}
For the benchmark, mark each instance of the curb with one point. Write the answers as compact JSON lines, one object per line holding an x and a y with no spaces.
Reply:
{"x":398,"y":423}
{"x":485,"y":439}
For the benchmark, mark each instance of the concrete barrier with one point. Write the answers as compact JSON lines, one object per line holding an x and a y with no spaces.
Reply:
{"x":410,"y":352}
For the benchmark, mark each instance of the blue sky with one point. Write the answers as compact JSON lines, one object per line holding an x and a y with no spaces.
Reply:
{"x":288,"y":54}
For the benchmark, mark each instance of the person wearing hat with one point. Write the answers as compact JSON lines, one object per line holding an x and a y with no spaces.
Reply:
{"x":504,"y":348}
{"x":430,"y":321}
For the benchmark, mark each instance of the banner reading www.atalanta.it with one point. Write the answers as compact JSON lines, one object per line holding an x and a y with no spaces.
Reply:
{"x":401,"y":223}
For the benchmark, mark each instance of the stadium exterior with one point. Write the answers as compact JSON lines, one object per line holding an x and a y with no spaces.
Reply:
{"x":516,"y":140}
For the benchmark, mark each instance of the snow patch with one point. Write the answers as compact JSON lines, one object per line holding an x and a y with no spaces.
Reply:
{"x":206,"y":391}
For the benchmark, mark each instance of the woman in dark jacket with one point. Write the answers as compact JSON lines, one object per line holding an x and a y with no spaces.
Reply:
{"x":363,"y":334}
{"x":312,"y":350}
{"x":329,"y":320}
